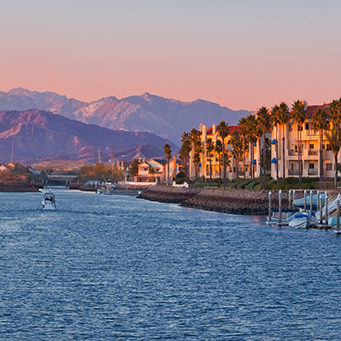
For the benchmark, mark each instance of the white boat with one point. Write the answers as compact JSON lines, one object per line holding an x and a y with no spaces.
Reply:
{"x":302,"y":220}
{"x":49,"y":201}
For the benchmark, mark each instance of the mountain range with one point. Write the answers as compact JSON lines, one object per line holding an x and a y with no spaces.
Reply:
{"x":165,"y":117}
{"x":38,"y":135}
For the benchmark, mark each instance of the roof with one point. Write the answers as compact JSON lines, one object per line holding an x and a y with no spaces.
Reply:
{"x":312,"y":108}
{"x":160,"y":161}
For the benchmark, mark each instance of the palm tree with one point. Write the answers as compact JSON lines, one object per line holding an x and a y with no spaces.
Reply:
{"x":219,"y":148}
{"x":275,"y":122}
{"x":223,"y":131}
{"x":197,"y":149}
{"x":196,"y":157}
{"x":243,"y":131}
{"x":252,"y":135}
{"x":320,"y":123}
{"x":298,"y":116}
{"x":264,"y":125}
{"x":283,"y":119}
{"x":167,"y":150}
{"x":209,"y":149}
{"x":237,"y":148}
{"x":335,"y":112}
{"x":185,"y":149}
{"x":334,"y":139}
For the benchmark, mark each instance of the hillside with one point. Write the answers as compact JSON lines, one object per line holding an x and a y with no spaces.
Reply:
{"x":165,"y":117}
{"x":39,"y":135}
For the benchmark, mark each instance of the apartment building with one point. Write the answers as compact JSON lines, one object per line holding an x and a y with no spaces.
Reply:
{"x":301,"y":146}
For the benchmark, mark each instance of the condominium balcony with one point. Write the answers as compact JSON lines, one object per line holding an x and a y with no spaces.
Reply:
{"x":293,"y":172}
{"x":313,"y":171}
{"x":313,"y":152}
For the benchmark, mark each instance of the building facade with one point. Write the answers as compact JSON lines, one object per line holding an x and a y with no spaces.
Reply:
{"x":235,"y":168}
{"x":301,"y":146}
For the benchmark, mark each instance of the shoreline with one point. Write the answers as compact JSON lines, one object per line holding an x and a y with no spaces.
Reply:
{"x":231,"y":201}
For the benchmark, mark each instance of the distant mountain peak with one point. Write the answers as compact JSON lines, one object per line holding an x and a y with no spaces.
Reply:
{"x":163,"y":116}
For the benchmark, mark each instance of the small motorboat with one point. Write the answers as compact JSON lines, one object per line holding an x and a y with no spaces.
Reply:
{"x":49,"y":201}
{"x":302,"y":220}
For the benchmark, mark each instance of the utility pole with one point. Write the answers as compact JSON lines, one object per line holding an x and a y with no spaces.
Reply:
{"x":12,"y":151}
{"x":99,"y":155}
{"x":112,"y":159}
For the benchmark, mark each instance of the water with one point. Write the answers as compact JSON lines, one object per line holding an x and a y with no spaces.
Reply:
{"x":115,"y":267}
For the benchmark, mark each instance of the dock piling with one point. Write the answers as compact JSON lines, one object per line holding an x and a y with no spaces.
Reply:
{"x":280,"y":207}
{"x":305,"y":201}
{"x":338,"y":214}
{"x":270,"y":209}
{"x":321,"y":211}
{"x":326,"y":208}
{"x":311,"y":203}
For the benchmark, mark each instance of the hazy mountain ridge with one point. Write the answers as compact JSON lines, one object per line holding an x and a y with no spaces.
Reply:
{"x":168,"y":118}
{"x":38,"y":135}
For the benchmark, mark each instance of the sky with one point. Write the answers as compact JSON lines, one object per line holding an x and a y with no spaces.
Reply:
{"x":241,"y":54}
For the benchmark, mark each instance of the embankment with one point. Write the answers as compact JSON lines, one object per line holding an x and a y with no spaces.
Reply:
{"x":17,"y":187}
{"x":219,"y":200}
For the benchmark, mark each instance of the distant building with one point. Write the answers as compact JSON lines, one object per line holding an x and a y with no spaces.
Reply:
{"x":155,"y":170}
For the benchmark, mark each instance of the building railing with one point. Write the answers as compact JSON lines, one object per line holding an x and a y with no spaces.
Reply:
{"x":293,"y":172}
{"x":313,"y":152}
{"x":312,"y":172}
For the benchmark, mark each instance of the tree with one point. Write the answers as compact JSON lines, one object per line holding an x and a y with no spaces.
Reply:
{"x":237,"y":148}
{"x":185,"y":149}
{"x":243,"y":132}
{"x":275,"y":122}
{"x":334,"y":139}
{"x":335,"y":112}
{"x":320,"y":123}
{"x":134,"y":167}
{"x":167,"y":150}
{"x":252,"y":135}
{"x":223,"y":131}
{"x":283,"y":119}
{"x":196,"y":157}
{"x":298,"y":116}
{"x":209,"y":150}
{"x":219,"y":150}
{"x":264,"y":125}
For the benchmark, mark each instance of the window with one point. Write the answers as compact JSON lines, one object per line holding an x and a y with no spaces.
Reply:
{"x":329,"y":147}
{"x":307,"y":126}
{"x":311,"y":165}
{"x":328,"y":166}
{"x":299,"y":128}
{"x":311,"y":146}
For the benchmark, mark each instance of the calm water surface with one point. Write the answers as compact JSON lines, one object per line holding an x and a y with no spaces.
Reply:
{"x":115,"y":267}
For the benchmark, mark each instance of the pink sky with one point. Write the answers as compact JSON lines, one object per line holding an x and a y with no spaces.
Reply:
{"x":241,"y":55}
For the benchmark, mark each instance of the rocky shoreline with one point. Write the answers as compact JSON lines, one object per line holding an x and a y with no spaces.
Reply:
{"x":227,"y":201}
{"x":19,"y":187}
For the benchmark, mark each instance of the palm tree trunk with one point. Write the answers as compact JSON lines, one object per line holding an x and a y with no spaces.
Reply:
{"x":264,"y":156}
{"x":252,"y":161}
{"x":283,"y":153}
{"x":300,"y":158}
{"x":276,"y":145}
{"x":210,"y":169}
{"x":244,"y":157}
{"x":335,"y":169}
{"x":167,"y":172}
{"x":321,"y":155}
{"x":219,"y":160}
{"x":224,"y":165}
